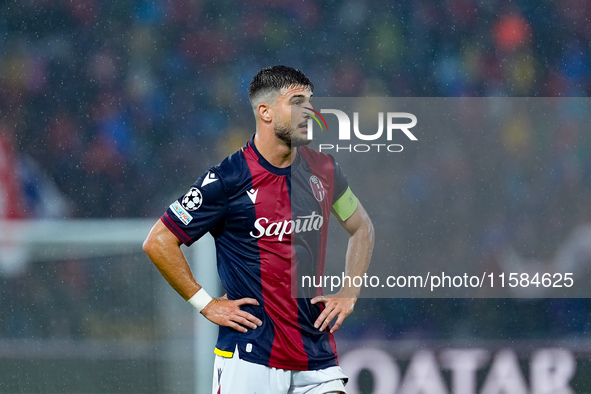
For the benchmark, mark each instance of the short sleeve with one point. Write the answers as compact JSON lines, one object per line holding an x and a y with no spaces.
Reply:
{"x":344,"y":201}
{"x":197,"y":211}
{"x":340,"y":181}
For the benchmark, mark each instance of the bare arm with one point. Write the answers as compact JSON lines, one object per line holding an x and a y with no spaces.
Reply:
{"x":164,"y":249}
{"x":359,"y":250}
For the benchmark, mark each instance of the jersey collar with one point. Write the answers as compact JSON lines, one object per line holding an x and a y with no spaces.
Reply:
{"x":271,"y":168}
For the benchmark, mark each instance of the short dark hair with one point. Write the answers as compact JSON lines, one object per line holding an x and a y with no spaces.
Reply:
{"x":277,"y":78}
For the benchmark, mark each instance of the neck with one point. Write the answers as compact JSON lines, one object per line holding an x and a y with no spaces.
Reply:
{"x":275,"y":151}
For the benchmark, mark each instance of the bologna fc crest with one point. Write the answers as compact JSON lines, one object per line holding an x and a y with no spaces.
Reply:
{"x":317,"y":188}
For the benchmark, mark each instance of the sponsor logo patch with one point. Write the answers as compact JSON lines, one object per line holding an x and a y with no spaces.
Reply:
{"x":181,"y":213}
{"x":301,"y":224}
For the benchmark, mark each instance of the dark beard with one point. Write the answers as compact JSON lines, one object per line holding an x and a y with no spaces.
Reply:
{"x":285,"y":135}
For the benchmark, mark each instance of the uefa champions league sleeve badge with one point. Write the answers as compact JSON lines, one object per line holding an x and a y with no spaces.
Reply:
{"x":192,"y":200}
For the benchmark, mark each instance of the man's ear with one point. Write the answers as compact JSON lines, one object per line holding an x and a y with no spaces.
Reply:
{"x":265,"y":112}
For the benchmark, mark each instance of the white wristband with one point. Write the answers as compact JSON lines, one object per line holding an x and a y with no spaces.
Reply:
{"x":200,"y":299}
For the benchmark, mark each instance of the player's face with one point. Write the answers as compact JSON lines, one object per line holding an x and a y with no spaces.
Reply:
{"x":291,"y":119}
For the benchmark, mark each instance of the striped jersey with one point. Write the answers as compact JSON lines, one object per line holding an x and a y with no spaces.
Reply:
{"x":270,"y":227}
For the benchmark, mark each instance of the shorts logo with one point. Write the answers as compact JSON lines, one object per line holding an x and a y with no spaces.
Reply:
{"x":192,"y":200}
{"x":220,"y":381}
{"x":181,"y":213}
{"x":317,"y":188}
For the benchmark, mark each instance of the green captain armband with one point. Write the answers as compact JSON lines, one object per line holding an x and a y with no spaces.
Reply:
{"x":346,"y":205}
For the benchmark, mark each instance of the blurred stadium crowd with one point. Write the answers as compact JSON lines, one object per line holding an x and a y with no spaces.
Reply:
{"x":119,"y":102}
{"x":112,"y":109}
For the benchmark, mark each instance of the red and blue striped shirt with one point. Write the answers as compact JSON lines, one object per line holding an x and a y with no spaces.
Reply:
{"x":270,"y":226}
